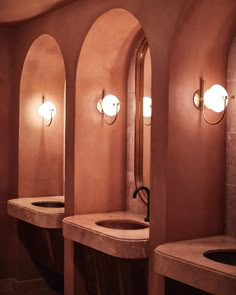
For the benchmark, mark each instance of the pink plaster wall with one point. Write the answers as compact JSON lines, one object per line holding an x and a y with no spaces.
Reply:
{"x":186,"y":42}
{"x":77,"y":19}
{"x":41,"y":147}
{"x":196,"y":149}
{"x":230,"y":226}
{"x":7,"y":237}
{"x":100,"y":160}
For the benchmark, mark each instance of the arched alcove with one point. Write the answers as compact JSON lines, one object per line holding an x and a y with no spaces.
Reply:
{"x":41,"y":147}
{"x":196,"y":150}
{"x":101,"y":159}
{"x":101,"y":149}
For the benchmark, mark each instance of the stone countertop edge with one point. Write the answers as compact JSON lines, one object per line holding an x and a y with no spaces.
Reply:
{"x":184,"y":261}
{"x":131,"y":244}
{"x":21,"y":208}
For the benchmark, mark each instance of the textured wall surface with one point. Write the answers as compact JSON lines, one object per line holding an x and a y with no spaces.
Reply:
{"x":100,"y":148}
{"x":231,"y":146}
{"x":7,"y":237}
{"x":41,"y":147}
{"x":187,"y":154}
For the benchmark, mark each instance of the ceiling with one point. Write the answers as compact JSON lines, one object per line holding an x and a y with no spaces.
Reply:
{"x":12,"y":11}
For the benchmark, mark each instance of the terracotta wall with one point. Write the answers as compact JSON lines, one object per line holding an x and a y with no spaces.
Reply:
{"x":7,"y":237}
{"x":196,"y":149}
{"x":100,"y":160}
{"x":195,"y":173}
{"x":41,"y":147}
{"x":230,"y":226}
{"x":188,"y":156}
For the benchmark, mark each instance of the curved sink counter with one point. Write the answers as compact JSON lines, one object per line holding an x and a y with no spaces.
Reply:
{"x":184,"y":261}
{"x":122,"y":243}
{"x":46,"y":217}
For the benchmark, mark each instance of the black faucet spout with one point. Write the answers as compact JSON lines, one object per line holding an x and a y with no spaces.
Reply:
{"x":147,"y":190}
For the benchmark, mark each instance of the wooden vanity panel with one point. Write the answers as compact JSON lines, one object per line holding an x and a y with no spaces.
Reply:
{"x":100,"y":274}
{"x":46,"y":250}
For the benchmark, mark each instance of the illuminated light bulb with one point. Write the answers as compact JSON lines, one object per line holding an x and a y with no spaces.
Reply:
{"x":208,"y":99}
{"x":110,"y":105}
{"x":216,"y":98}
{"x":147,"y":107}
{"x":47,"y":110}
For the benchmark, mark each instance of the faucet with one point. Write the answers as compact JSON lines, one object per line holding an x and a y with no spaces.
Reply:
{"x":148,"y":198}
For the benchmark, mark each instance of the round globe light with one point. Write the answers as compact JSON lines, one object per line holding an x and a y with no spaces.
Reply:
{"x":110,"y":105}
{"x":147,"y":107}
{"x":47,"y":110}
{"x":216,"y":98}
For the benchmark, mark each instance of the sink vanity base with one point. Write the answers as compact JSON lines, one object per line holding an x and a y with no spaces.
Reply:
{"x":46,"y":249}
{"x":39,"y":229}
{"x":111,"y":252}
{"x":98,"y":273}
{"x":173,"y":287}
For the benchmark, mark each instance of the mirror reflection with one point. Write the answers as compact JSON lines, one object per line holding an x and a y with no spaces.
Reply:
{"x":143,"y":116}
{"x":147,"y":111}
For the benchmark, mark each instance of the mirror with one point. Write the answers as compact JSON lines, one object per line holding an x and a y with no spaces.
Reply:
{"x":143,"y":115}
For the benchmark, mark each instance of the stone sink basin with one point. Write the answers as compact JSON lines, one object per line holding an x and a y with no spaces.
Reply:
{"x":225,"y":256}
{"x":49,"y":204}
{"x":122,"y":224}
{"x":45,"y":212}
{"x":120,"y":234}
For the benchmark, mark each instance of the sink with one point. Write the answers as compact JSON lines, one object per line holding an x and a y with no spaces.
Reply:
{"x":120,"y":234}
{"x":44,"y":211}
{"x":225,"y":256}
{"x":123,"y":224}
{"x":49,"y":204}
{"x":207,"y":263}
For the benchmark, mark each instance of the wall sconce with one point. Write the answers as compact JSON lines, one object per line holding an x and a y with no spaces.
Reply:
{"x":47,"y":111}
{"x":109,"y":105}
{"x":215,"y":98}
{"x":147,"y":108}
